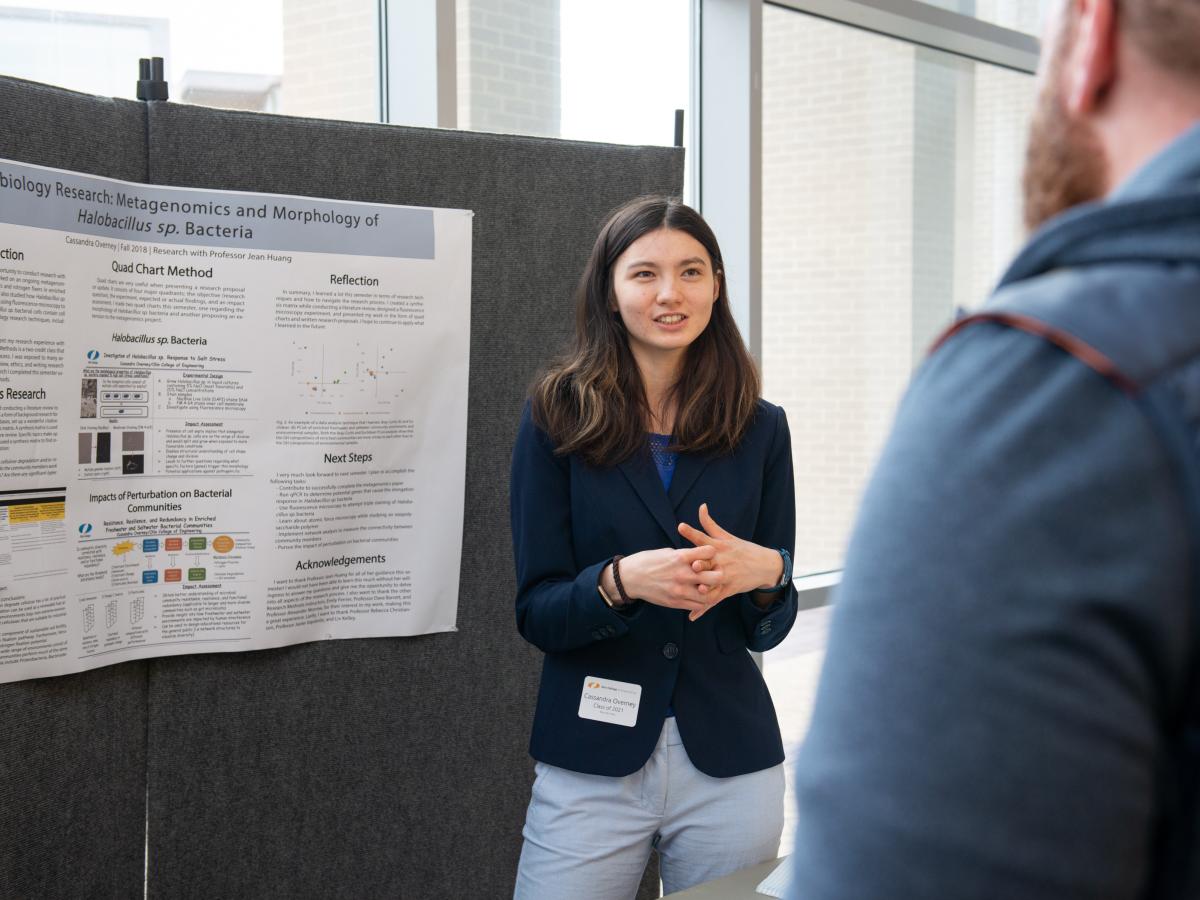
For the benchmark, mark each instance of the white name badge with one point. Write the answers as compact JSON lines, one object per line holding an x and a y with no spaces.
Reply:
{"x":605,"y":700}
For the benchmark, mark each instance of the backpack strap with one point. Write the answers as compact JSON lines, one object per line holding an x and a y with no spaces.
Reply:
{"x":1174,"y":869}
{"x":1064,"y":340}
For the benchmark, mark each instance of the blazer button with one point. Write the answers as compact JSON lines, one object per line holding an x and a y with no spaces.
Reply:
{"x":670,"y":650}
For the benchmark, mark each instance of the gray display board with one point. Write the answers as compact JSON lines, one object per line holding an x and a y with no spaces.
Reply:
{"x":366,"y":768}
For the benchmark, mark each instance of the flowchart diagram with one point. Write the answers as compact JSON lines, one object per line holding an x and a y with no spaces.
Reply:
{"x":176,"y":559}
{"x":154,"y":564}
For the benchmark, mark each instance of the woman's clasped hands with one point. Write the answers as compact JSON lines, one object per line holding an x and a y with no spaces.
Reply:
{"x":680,"y":579}
{"x":743,"y":565}
{"x":697,"y":578}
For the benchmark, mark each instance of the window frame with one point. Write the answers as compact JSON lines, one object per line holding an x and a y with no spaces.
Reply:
{"x":727,"y":131}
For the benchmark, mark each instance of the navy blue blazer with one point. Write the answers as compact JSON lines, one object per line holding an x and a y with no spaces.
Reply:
{"x":568,"y":521}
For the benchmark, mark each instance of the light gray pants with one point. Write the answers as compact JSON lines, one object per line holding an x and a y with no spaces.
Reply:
{"x":588,"y":837}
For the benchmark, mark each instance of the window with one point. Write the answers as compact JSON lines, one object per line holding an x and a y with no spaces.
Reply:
{"x":890,"y":196}
{"x":1019,"y":15}
{"x":613,"y":71}
{"x":299,"y":57}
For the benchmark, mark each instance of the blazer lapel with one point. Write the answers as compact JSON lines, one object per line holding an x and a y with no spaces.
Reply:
{"x":687,"y":470}
{"x":642,"y":475}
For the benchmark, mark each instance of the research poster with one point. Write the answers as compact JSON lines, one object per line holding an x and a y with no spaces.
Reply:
{"x":228,"y":421}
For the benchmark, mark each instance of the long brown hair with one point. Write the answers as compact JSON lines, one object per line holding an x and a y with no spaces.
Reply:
{"x":591,"y":400}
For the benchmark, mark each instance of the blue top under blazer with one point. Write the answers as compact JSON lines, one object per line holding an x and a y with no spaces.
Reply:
{"x":569,"y":519}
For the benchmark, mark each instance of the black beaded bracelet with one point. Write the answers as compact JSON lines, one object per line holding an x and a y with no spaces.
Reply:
{"x":624,"y":597}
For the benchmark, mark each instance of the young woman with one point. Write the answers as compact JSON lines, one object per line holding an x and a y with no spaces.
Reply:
{"x":653,"y":520}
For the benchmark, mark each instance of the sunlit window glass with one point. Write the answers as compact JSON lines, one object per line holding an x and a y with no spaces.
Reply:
{"x":890,"y":196}
{"x":1019,"y":15}
{"x":298,"y":57}
{"x":614,"y":71}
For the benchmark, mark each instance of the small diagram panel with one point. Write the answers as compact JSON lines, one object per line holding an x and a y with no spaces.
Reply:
{"x":369,"y":374}
{"x":115,"y":420}
{"x":124,"y":411}
{"x":99,"y":448}
{"x":125,"y":404}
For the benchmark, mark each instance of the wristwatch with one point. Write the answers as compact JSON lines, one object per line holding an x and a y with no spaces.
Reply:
{"x":786,"y":578}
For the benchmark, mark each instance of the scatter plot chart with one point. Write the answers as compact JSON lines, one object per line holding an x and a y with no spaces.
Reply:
{"x":362,"y":373}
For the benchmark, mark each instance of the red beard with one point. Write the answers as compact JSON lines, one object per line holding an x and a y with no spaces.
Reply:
{"x":1064,"y":162}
